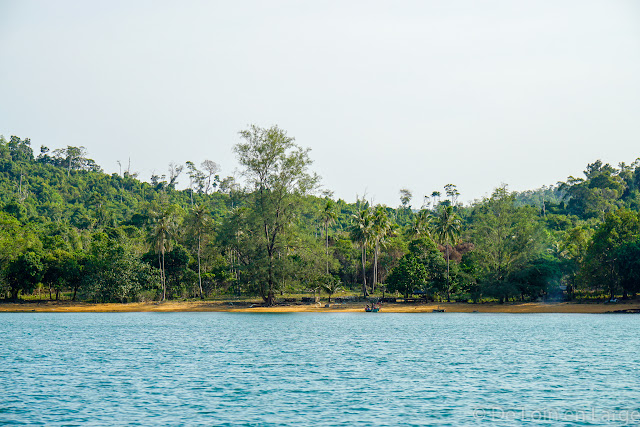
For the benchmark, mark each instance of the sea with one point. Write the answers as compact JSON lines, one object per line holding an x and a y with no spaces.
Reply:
{"x":319,"y":369}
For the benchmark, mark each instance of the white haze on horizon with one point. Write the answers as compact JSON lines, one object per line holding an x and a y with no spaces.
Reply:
{"x":414,"y":94}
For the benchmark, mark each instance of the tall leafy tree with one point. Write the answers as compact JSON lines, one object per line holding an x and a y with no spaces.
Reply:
{"x":436,"y":195}
{"x":409,"y":275}
{"x":571,"y":250}
{"x":211,"y":168}
{"x":405,"y":198}
{"x":422,"y":268}
{"x":628,"y":265}
{"x":14,"y":238}
{"x":24,"y":273}
{"x":506,"y":238}
{"x":74,"y":158}
{"x":113,"y":270}
{"x":196,"y":179}
{"x":61,"y":270}
{"x":608,"y":254}
{"x":452,"y":192}
{"x":277,"y":172}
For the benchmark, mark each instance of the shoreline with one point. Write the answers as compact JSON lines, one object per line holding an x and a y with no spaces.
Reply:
{"x":211,"y":306}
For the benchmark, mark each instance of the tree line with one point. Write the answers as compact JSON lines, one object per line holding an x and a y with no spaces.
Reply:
{"x":67,"y":228}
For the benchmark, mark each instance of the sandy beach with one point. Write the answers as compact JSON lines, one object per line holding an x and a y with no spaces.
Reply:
{"x":244,"y":307}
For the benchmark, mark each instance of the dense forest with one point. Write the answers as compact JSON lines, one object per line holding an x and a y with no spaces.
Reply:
{"x":68,"y":230}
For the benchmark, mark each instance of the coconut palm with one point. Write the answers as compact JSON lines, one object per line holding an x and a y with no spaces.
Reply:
{"x":361,"y":232}
{"x":420,"y":224}
{"x":163,"y":230}
{"x":198,"y":220}
{"x":447,"y":229}
{"x":380,"y":229}
{"x":328,"y":216}
{"x":331,"y":286}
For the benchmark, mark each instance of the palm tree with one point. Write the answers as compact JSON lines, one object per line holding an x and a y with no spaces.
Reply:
{"x":420,"y":224}
{"x":381,"y":226}
{"x":331,"y":286}
{"x":361,"y":234}
{"x":448,"y":228}
{"x":198,"y":221}
{"x":329,"y":216}
{"x":163,"y":230}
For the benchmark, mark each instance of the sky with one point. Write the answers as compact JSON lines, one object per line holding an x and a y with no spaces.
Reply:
{"x":387,"y":94}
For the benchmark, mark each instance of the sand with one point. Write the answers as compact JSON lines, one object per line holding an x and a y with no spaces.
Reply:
{"x":203,"y":306}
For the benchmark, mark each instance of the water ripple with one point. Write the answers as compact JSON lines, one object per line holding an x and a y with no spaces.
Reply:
{"x":318,"y":369}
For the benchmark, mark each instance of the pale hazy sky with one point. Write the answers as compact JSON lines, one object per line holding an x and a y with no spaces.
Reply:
{"x":387,"y":94}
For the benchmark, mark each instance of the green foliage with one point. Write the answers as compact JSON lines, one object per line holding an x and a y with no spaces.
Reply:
{"x":427,"y":253}
{"x":537,"y":277}
{"x":361,"y":232}
{"x":609,"y":259}
{"x":447,"y":229}
{"x":62,"y":270}
{"x":181,"y":280}
{"x":408,"y":276}
{"x":422,"y":269}
{"x":506,"y":239}
{"x":277,"y":172}
{"x":627,"y":262}
{"x":24,"y":273}
{"x":114,"y":273}
{"x":67,"y":226}
{"x":331,"y":285}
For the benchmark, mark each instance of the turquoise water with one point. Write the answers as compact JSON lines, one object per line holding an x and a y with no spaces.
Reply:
{"x":319,"y":369}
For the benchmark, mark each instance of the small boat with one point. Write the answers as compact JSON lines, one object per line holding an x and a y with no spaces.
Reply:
{"x":372,"y":309}
{"x":438,"y":310}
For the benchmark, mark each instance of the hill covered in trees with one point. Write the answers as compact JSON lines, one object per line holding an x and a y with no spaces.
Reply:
{"x":68,"y":229}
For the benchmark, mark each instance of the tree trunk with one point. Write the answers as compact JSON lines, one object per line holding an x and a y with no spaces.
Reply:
{"x":163,"y":278}
{"x":448,"y":281}
{"x":375,"y":267}
{"x":270,"y":294}
{"x":364,"y":272}
{"x":199,"y":274}
{"x":326,"y":234}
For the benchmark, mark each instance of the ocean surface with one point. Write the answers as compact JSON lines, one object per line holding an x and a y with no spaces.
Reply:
{"x":319,"y":369}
